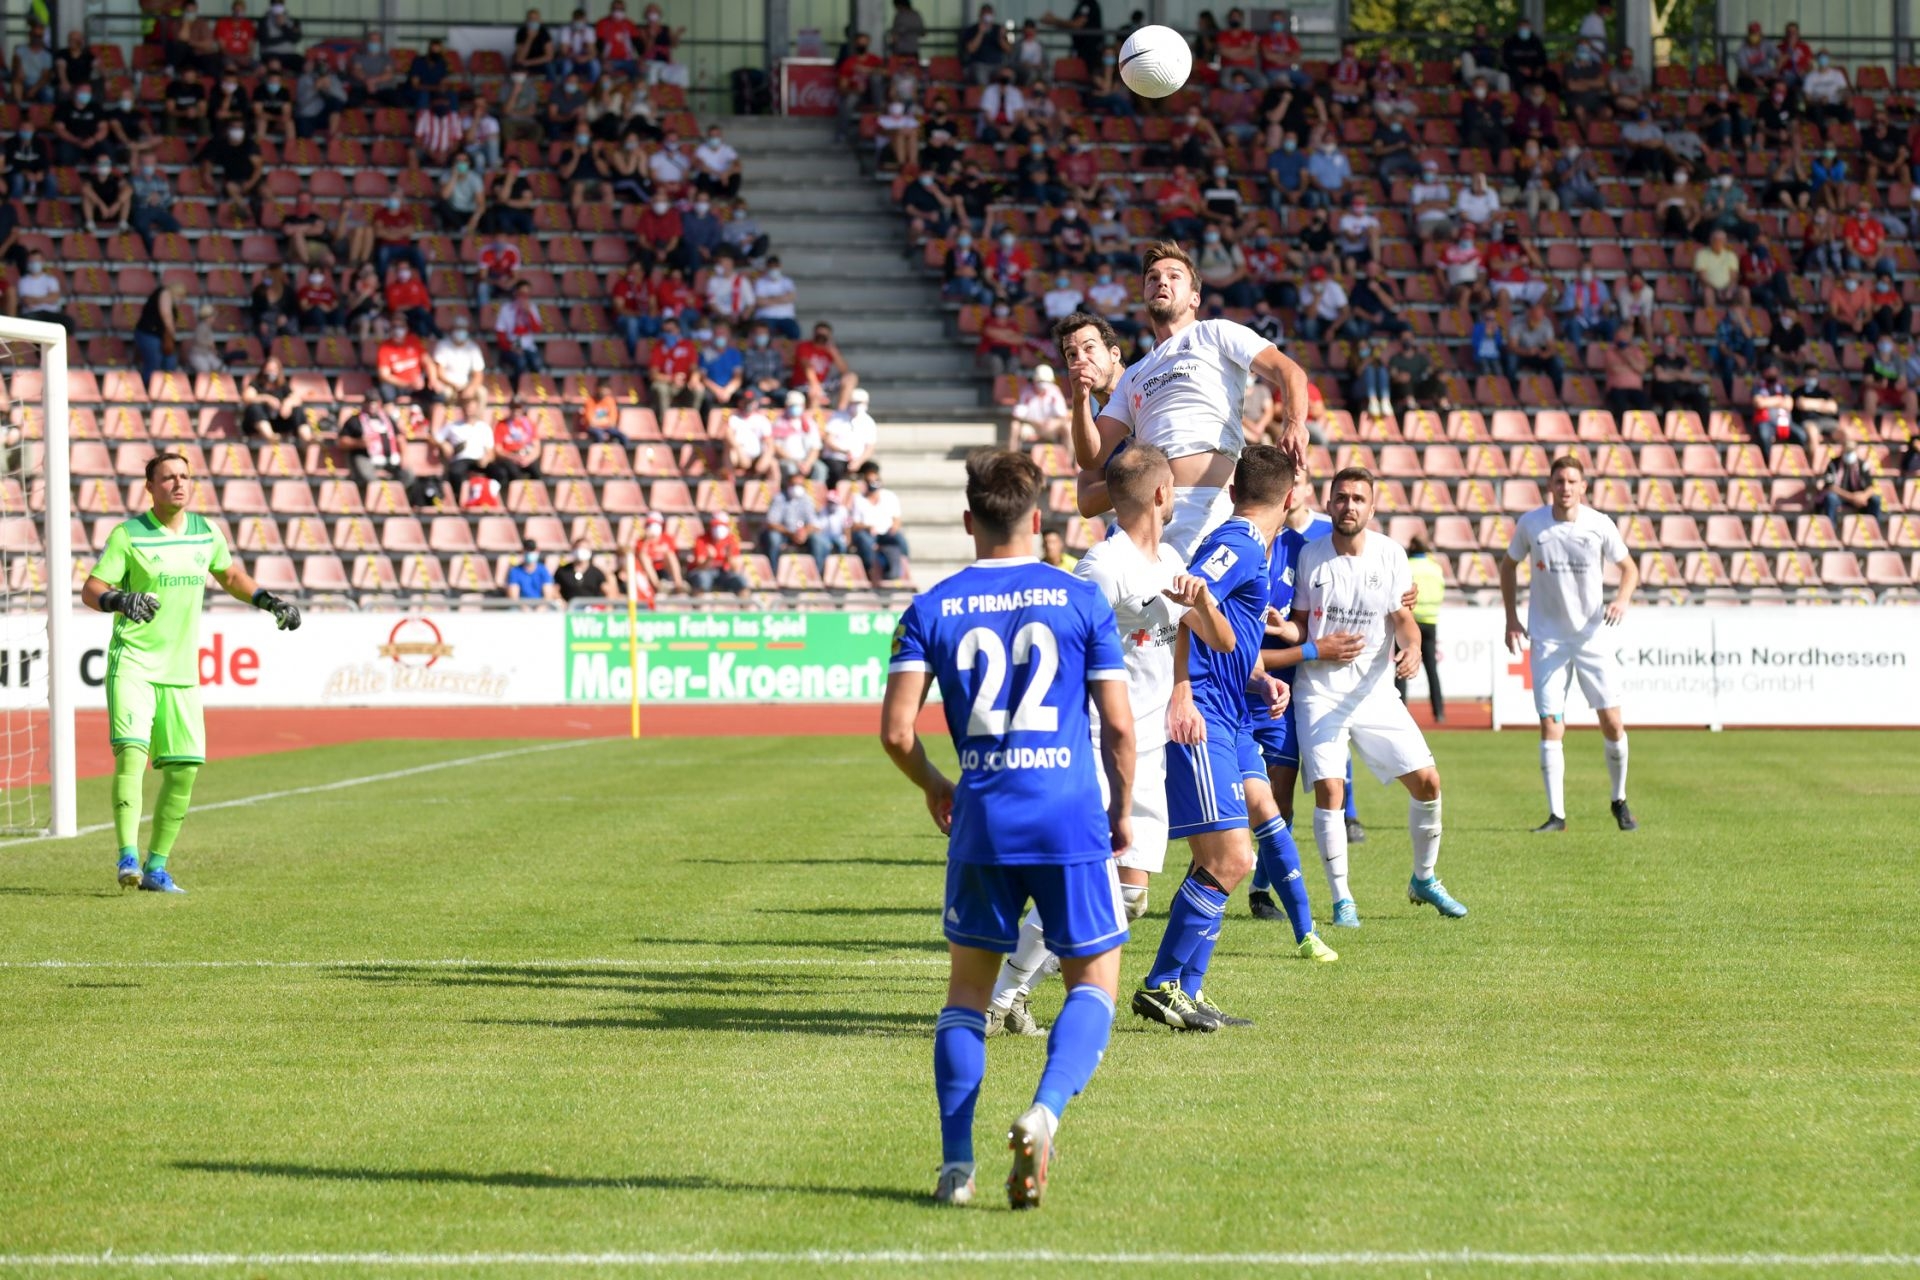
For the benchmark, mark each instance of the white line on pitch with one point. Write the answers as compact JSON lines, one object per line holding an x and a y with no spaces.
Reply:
{"x":594,"y":962}
{"x":242,"y":801}
{"x":971,"y":1257}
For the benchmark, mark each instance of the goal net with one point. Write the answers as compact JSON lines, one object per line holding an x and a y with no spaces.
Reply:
{"x":37,"y":665}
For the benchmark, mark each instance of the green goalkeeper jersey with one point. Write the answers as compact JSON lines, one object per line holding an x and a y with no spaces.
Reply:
{"x":144,"y":555}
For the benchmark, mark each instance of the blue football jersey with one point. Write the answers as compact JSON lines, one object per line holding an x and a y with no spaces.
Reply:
{"x":1286,"y":557}
{"x":1013,"y":645}
{"x":1233,"y":562}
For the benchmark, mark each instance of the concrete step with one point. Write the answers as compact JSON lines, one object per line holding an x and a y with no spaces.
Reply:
{"x":825,"y":197}
{"x":919,"y":470}
{"x":945,"y":363}
{"x":842,"y":261}
{"x":776,"y":168}
{"x":936,"y":438}
{"x":923,"y":402}
{"x":911,"y":329}
{"x":822,"y":227}
{"x":930,"y":505}
{"x":846,"y":297}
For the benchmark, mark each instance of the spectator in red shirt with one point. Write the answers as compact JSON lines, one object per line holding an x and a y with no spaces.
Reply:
{"x":237,"y":37}
{"x":1178,"y":201}
{"x":1004,"y":348}
{"x":393,"y":232}
{"x":402,"y":373}
{"x":499,"y":264}
{"x":1007,"y":265}
{"x":1864,"y":234}
{"x":715,"y":562}
{"x":656,"y":559}
{"x":516,"y":329}
{"x":1280,"y":54}
{"x":672,"y":370}
{"x":1240,"y":49}
{"x":657,"y":234}
{"x":516,"y":443}
{"x":1796,"y":55}
{"x":859,"y":81}
{"x":633,"y":317}
{"x":407,"y":295}
{"x":616,"y":33}
{"x":822,"y":370}
{"x":673,"y":296}
{"x":319,"y":301}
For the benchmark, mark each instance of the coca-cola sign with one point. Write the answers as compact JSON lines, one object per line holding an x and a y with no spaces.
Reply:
{"x":812,"y":88}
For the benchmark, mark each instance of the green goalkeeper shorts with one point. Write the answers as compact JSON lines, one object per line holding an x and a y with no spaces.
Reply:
{"x":164,"y":720}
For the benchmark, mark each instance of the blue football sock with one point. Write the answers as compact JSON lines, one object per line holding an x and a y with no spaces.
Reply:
{"x":959,"y":1064}
{"x":1075,"y":1046}
{"x":1353,"y":814}
{"x":1280,"y":863}
{"x":1259,"y":883}
{"x":1193,"y":926}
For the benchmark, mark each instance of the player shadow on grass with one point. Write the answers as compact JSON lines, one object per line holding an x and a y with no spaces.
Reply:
{"x":541,"y":1181}
{"x":637,"y":980}
{"x":831,"y":944}
{"x":743,"y":1018}
{"x":754,"y":860}
{"x":22,"y":891}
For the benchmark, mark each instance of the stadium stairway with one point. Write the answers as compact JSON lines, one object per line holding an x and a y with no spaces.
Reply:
{"x":924,"y":463}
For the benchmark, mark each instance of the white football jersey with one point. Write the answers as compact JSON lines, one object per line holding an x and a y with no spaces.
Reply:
{"x":1148,"y":621}
{"x":1566,"y":599}
{"x":1350,"y":594}
{"x":1185,"y":394}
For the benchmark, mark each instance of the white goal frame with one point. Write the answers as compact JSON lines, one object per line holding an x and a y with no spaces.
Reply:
{"x":56,"y":537}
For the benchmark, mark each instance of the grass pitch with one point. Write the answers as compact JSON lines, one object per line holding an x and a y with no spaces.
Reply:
{"x":696,"y":981}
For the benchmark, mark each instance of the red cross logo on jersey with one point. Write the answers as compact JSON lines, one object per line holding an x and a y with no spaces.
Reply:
{"x":1318,"y":612}
{"x":1140,"y":637}
{"x":1138,"y":400}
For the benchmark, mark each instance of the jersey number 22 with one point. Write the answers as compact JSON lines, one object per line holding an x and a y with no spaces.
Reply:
{"x":1033,"y":643}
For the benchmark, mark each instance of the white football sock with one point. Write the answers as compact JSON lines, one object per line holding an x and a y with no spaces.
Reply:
{"x":1133,"y":900}
{"x":1553,"y":770}
{"x":1028,"y":958}
{"x":1330,"y":833}
{"x":1423,"y":824}
{"x":1617,"y":765}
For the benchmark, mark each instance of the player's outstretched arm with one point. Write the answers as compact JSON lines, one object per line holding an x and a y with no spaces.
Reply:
{"x":1203,"y":612}
{"x":1623,"y":598}
{"x":906,"y":691}
{"x":134,"y":605}
{"x":1116,"y":755}
{"x":1090,"y":493}
{"x":1337,"y":647}
{"x":1510,"y":597}
{"x":1289,"y":381}
{"x":240,"y":585}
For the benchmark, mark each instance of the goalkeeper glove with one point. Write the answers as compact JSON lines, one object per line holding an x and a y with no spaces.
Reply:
{"x":286,"y":615}
{"x":136,"y":605}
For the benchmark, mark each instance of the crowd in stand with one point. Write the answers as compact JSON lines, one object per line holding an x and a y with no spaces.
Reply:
{"x":419,"y":263}
{"x":1499,"y":231}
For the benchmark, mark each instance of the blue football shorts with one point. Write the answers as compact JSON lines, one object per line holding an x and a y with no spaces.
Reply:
{"x":1079,"y":904}
{"x":1206,"y":784}
{"x":1278,"y":742}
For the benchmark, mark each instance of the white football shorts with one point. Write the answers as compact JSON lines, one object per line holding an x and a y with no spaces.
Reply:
{"x":1197,"y":511}
{"x":1557,"y":663}
{"x":1148,"y":852}
{"x":1380,"y":727}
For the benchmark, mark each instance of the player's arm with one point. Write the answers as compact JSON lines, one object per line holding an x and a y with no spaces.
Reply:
{"x":1289,"y":382}
{"x":1090,"y":493}
{"x":1184,"y":724}
{"x":107,"y":598}
{"x":1203,"y":612}
{"x":899,"y":709}
{"x":239,"y":584}
{"x":1116,"y":755}
{"x":1623,"y":598}
{"x":1338,"y":648}
{"x":1406,"y":638}
{"x":1093,"y":438}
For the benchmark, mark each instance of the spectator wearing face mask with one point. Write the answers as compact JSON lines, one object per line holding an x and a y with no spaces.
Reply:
{"x":763,"y":368}
{"x":657,"y":234}
{"x":657,"y":560}
{"x":1585,"y":308}
{"x":715,"y":563}
{"x":600,"y":414}
{"x":793,"y":523}
{"x":463,"y":199}
{"x":796,"y":440}
{"x":1041,"y":415}
{"x":106,"y":199}
{"x":305,"y":233}
{"x":847,"y":439}
{"x":40,"y":295}
{"x":529,"y":580}
{"x":319,"y":303}
{"x":1849,"y":310}
{"x":721,"y":362}
{"x":875,"y":530}
{"x":516,"y":442}
{"x":516,"y":329}
{"x":577,"y":51}
{"x":271,"y":406}
{"x":749,"y":440}
{"x":984,"y":47}
{"x":372,"y":75}
{"x":374,"y":445}
{"x":407,"y":296}
{"x":631,"y":301}
{"x":820,"y":369}
{"x":1483,"y":121}
{"x":743,"y":233}
{"x":460,"y":361}
{"x":673,"y":369}
{"x":581,"y":579}
{"x":30,"y":165}
{"x":393,"y":232}
{"x":33,"y":75}
{"x":403,"y":373}
{"x":1328,"y":173}
{"x":717,"y":166}
{"x":230,"y":163}
{"x":239,"y":40}
{"x":1062,"y":300}
{"x":273,"y":109}
{"x":79,"y":128}
{"x":319,"y":94}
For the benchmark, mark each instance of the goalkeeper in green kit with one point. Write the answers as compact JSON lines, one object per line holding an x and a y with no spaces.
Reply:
{"x":153,"y":574}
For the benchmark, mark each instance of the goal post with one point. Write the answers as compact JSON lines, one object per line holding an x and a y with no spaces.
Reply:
{"x":37,"y":688}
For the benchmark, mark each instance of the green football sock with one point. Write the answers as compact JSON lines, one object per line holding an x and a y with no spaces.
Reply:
{"x":129,"y":772}
{"x":170,"y":810}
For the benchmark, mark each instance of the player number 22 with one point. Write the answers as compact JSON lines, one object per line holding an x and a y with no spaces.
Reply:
{"x":1033,"y":643}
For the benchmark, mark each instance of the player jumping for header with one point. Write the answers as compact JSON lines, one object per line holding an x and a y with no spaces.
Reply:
{"x":1184,"y":396}
{"x":1571,"y":545}
{"x":1355,"y":581}
{"x":153,"y":574}
{"x":1019,"y":650}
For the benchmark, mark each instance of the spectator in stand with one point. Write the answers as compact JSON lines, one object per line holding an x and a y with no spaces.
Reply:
{"x":797,"y":441}
{"x":1884,"y":387}
{"x":1040,"y":416}
{"x":29,"y":165}
{"x":239,"y":41}
{"x":530,"y":579}
{"x":1734,"y":353}
{"x":1483,"y":122}
{"x":156,"y":336}
{"x":1525,"y":58}
{"x":39,"y":293}
{"x":516,"y":441}
{"x":1511,"y":263}
{"x":106,"y":199}
{"x":1779,"y":117}
{"x":230,"y":163}
{"x":631,"y":299}
{"x":273,"y":109}
{"x":1480,"y":59}
{"x":859,"y":80}
{"x":743,"y":234}
{"x":1328,"y":173}
{"x":657,"y":233}
{"x":499,"y":268}
{"x":230,"y":103}
{"x":1849,"y":309}
{"x":875,"y":527}
{"x":319,"y":95}
{"x":1029,"y":54}
{"x":717,"y":166}
{"x":1372,"y":389}
{"x":1846,"y":484}
{"x":1724,"y":208}
{"x":1537,"y":117}
{"x":1828,"y":180}
{"x":509,"y":201}
{"x":271,"y":406}
{"x":673,"y":370}
{"x":1677,"y":384}
{"x":272,"y":306}
{"x":364,"y":302}
{"x":1223,"y":276}
{"x":305,"y":231}
{"x":1813,"y":409}
{"x":79,"y":128}
{"x":1053,"y":551}
{"x":819,"y":367}
{"x":1375,"y":304}
{"x":533,"y":50}
{"x":578,"y":56}
{"x":1357,"y":236}
{"x":1885,"y":149}
{"x":1825,"y":92}
{"x":960,"y":273}
{"x":1323,"y":308}
{"x":847,"y":438}
{"x":720,"y":365}
{"x":1004,"y":347}
{"x":984,"y":48}
{"x":581,"y":579}
{"x":1487,"y":344}
{"x":516,"y":329}
{"x":74,"y":66}
{"x":763,"y":368}
{"x":1533,"y":179}
{"x":1756,"y":62}
{"x":1477,"y":204}
{"x":749,"y":440}
{"x":1625,"y":85}
{"x":1347,"y":88}
{"x":407,"y":296}
{"x":319,"y":303}
{"x":1822,"y":248}
{"x":520,"y":109}
{"x":1646,"y":141}
{"x":1891,"y":314}
{"x":1724,"y":124}
{"x":656,"y":557}
{"x":1287,"y":173}
{"x":1065,"y":298}
{"x":463,"y":199}
{"x":459,"y":362}
{"x":1412,"y":381}
{"x":1586,"y":90}
{"x":1625,"y":366}
{"x":600,"y":414}
{"x":673,"y":296}
{"x":794,"y":523}
{"x":1635,"y":304}
{"x":1393,"y":152}
{"x":700,"y":233}
{"x":1462,"y":270}
{"x":1716,"y":273}
{"x":372,"y":75}
{"x":616,"y":32}
{"x":373,"y":444}
{"x":33,"y":78}
{"x":402,"y":373}
{"x":716,"y":563}
{"x":438,"y":132}
{"x":1789,"y":338}
{"x":1586,"y":309}
{"x":1430,"y":201}
{"x":280,"y":37}
{"x":929,"y":209}
{"x":1865,"y":237}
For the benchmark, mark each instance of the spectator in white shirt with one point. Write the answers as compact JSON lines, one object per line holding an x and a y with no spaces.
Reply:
{"x":1432,"y":203}
{"x":1359,"y":235}
{"x":1109,"y":297}
{"x":899,"y":133}
{"x":1040,"y":416}
{"x":749,"y":440}
{"x":729,"y":292}
{"x":39,"y":292}
{"x":1478,"y":203}
{"x":1029,"y":55}
{"x":1825,"y":90}
{"x":1592,"y":45}
{"x":773,"y":294}
{"x":875,"y":531}
{"x":796,"y":441}
{"x":1323,"y":306}
{"x":848,"y":439}
{"x":1001,"y":106}
{"x":1063,"y":299}
{"x":717,"y":166}
{"x":670,"y":168}
{"x":462,"y":364}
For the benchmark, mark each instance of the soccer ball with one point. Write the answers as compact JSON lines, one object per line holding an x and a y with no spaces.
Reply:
{"x":1155,"y":61}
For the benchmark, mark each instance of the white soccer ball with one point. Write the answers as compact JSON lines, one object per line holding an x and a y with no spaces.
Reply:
{"x":1155,"y":61}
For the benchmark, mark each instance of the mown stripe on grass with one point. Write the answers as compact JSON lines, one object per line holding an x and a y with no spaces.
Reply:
{"x":593,"y":962}
{"x":972,"y":1257}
